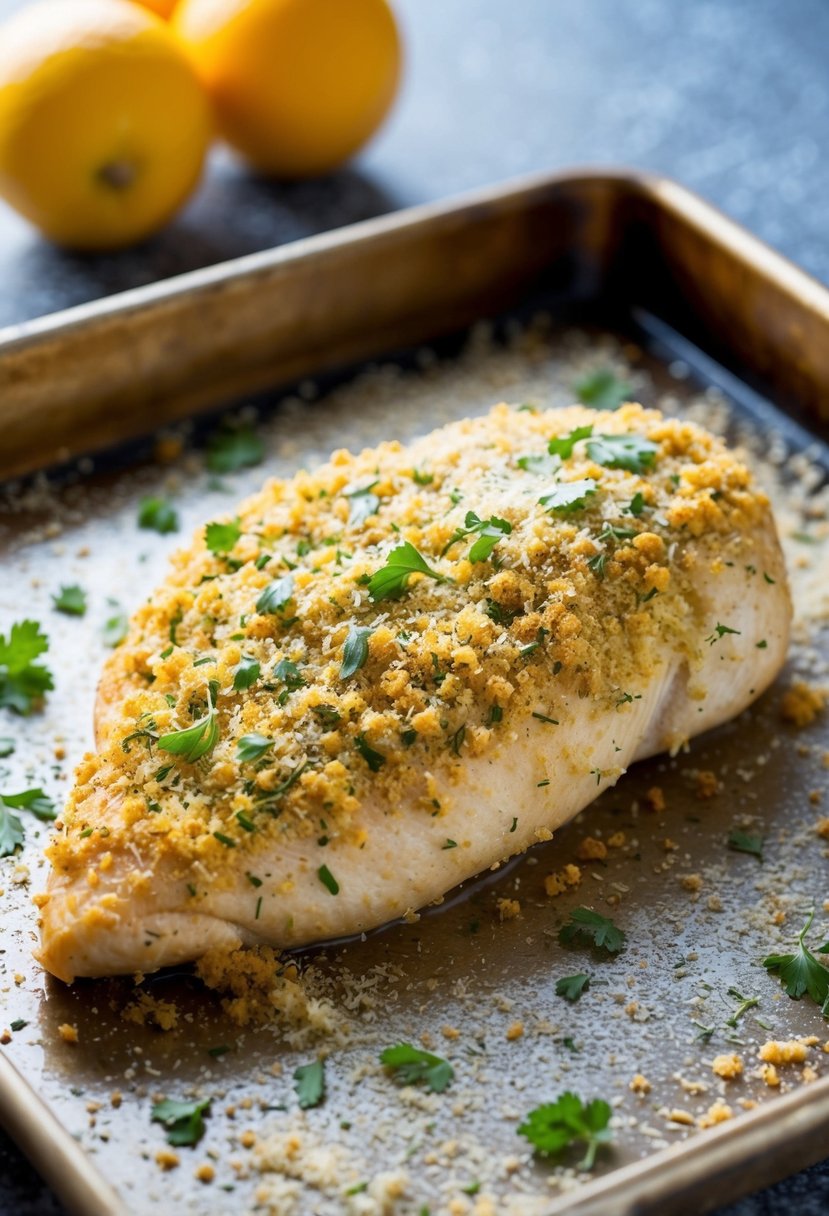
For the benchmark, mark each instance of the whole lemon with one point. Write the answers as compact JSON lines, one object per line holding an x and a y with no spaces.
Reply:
{"x":103,"y":123}
{"x":298,"y":85}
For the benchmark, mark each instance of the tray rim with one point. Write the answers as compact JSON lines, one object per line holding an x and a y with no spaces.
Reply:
{"x":686,"y":1169}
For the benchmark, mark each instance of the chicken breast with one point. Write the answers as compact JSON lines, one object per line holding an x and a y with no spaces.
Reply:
{"x":381,"y":678}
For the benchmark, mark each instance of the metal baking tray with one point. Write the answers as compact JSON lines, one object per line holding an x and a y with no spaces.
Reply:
{"x":698,"y":311}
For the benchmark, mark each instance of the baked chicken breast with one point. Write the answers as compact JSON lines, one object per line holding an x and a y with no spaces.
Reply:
{"x":378,"y":679}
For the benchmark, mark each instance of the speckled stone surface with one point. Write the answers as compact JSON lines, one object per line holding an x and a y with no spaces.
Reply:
{"x":729,"y":96}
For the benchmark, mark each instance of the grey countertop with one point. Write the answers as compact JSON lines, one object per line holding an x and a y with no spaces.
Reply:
{"x":729,"y":96}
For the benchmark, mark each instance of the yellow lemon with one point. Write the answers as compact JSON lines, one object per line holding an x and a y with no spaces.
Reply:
{"x":298,"y":85}
{"x":103,"y":124}
{"x":163,"y":8}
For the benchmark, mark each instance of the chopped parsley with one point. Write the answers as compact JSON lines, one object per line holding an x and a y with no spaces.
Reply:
{"x":12,"y":835}
{"x":556,"y":1125}
{"x":22,"y":681}
{"x":221,"y":538}
{"x":232,"y":448}
{"x":603,"y":390}
{"x":276,"y":595}
{"x":490,"y":532}
{"x":743,"y":842}
{"x":391,"y":581}
{"x":246,"y":673}
{"x":719,"y":632}
{"x":70,"y":600}
{"x":115,"y":629}
{"x":309,"y":1083}
{"x":562,"y":446}
{"x":7,"y":747}
{"x":252,"y":747}
{"x":158,"y":515}
{"x":587,"y":927}
{"x":637,"y":504}
{"x":183,"y":1121}
{"x":355,"y":650}
{"x":410,"y":1065}
{"x":631,"y":452}
{"x":197,"y":740}
{"x":328,"y":880}
{"x":374,"y":759}
{"x":572,"y":986}
{"x":569,"y":496}
{"x":541,"y":465}
{"x":288,"y":674}
{"x":801,"y":973}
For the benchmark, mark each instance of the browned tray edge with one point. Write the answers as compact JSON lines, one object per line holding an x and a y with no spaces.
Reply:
{"x":760,"y":1147}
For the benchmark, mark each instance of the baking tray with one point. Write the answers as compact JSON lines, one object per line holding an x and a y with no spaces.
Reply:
{"x":696,"y":312}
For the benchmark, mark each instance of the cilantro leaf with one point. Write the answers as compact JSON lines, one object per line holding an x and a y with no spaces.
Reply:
{"x":391,"y":581}
{"x":801,"y":972}
{"x":562,"y":446}
{"x":572,"y":986}
{"x":252,"y":747}
{"x":194,"y":741}
{"x":556,"y":1125}
{"x":310,"y":1084}
{"x":355,"y":650}
{"x":490,"y":532}
{"x":231,"y":448}
{"x":70,"y":600}
{"x":587,"y":927}
{"x":743,"y":842}
{"x":183,"y":1121}
{"x":631,"y":452}
{"x":569,"y":496}
{"x":410,"y":1065}
{"x":115,"y":629}
{"x":276,"y":595}
{"x":362,"y":504}
{"x":246,"y":673}
{"x":23,"y":682}
{"x":221,"y":538}
{"x":603,"y":390}
{"x":11,"y":832}
{"x":158,"y":515}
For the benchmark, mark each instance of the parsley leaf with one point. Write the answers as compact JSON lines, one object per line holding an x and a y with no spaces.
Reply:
{"x":542,"y":465}
{"x":719,"y":632}
{"x":490,"y":531}
{"x":157,"y":515}
{"x":563,"y":445}
{"x":22,"y":682}
{"x":603,"y":390}
{"x":801,"y":972}
{"x":232,"y":448}
{"x":410,"y":1065}
{"x":194,"y":741}
{"x":7,"y":747}
{"x":631,"y":452}
{"x":588,"y":927}
{"x":220,"y":538}
{"x":374,"y":759}
{"x":310,"y":1084}
{"x":246,"y":674}
{"x":11,"y":832}
{"x":276,"y":595}
{"x":183,"y":1121}
{"x":568,"y":1120}
{"x":252,"y":747}
{"x":742,"y":842}
{"x":289,"y":674}
{"x":569,"y":496}
{"x":362,"y":504}
{"x":355,"y":650}
{"x":40,"y":804}
{"x":70,"y":600}
{"x":115,"y":629}
{"x":391,"y":581}
{"x":572,"y":986}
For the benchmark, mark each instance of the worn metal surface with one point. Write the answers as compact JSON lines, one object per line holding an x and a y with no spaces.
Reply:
{"x":460,"y":966}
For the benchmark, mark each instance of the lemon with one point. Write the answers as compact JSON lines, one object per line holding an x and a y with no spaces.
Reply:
{"x":298,"y":85}
{"x":103,"y":123}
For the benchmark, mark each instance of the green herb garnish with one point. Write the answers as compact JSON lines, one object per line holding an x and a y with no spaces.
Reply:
{"x":569,"y":496}
{"x":631,"y":452}
{"x":568,"y":1120}
{"x":572,"y":986}
{"x":232,"y":448}
{"x":801,"y":973}
{"x":328,"y":880}
{"x":70,"y":600}
{"x":158,"y":515}
{"x":252,"y":747}
{"x":221,"y":538}
{"x":183,"y":1121}
{"x":276,"y":595}
{"x":603,"y":390}
{"x":587,"y":927}
{"x":391,"y":581}
{"x":743,"y":842}
{"x":562,"y":446}
{"x":355,"y":650}
{"x":310,"y":1084}
{"x":23,"y":682}
{"x":362,"y":504}
{"x":410,"y":1065}
{"x":719,"y":632}
{"x":115,"y":629}
{"x":197,"y":740}
{"x":374,"y":759}
{"x":246,"y":674}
